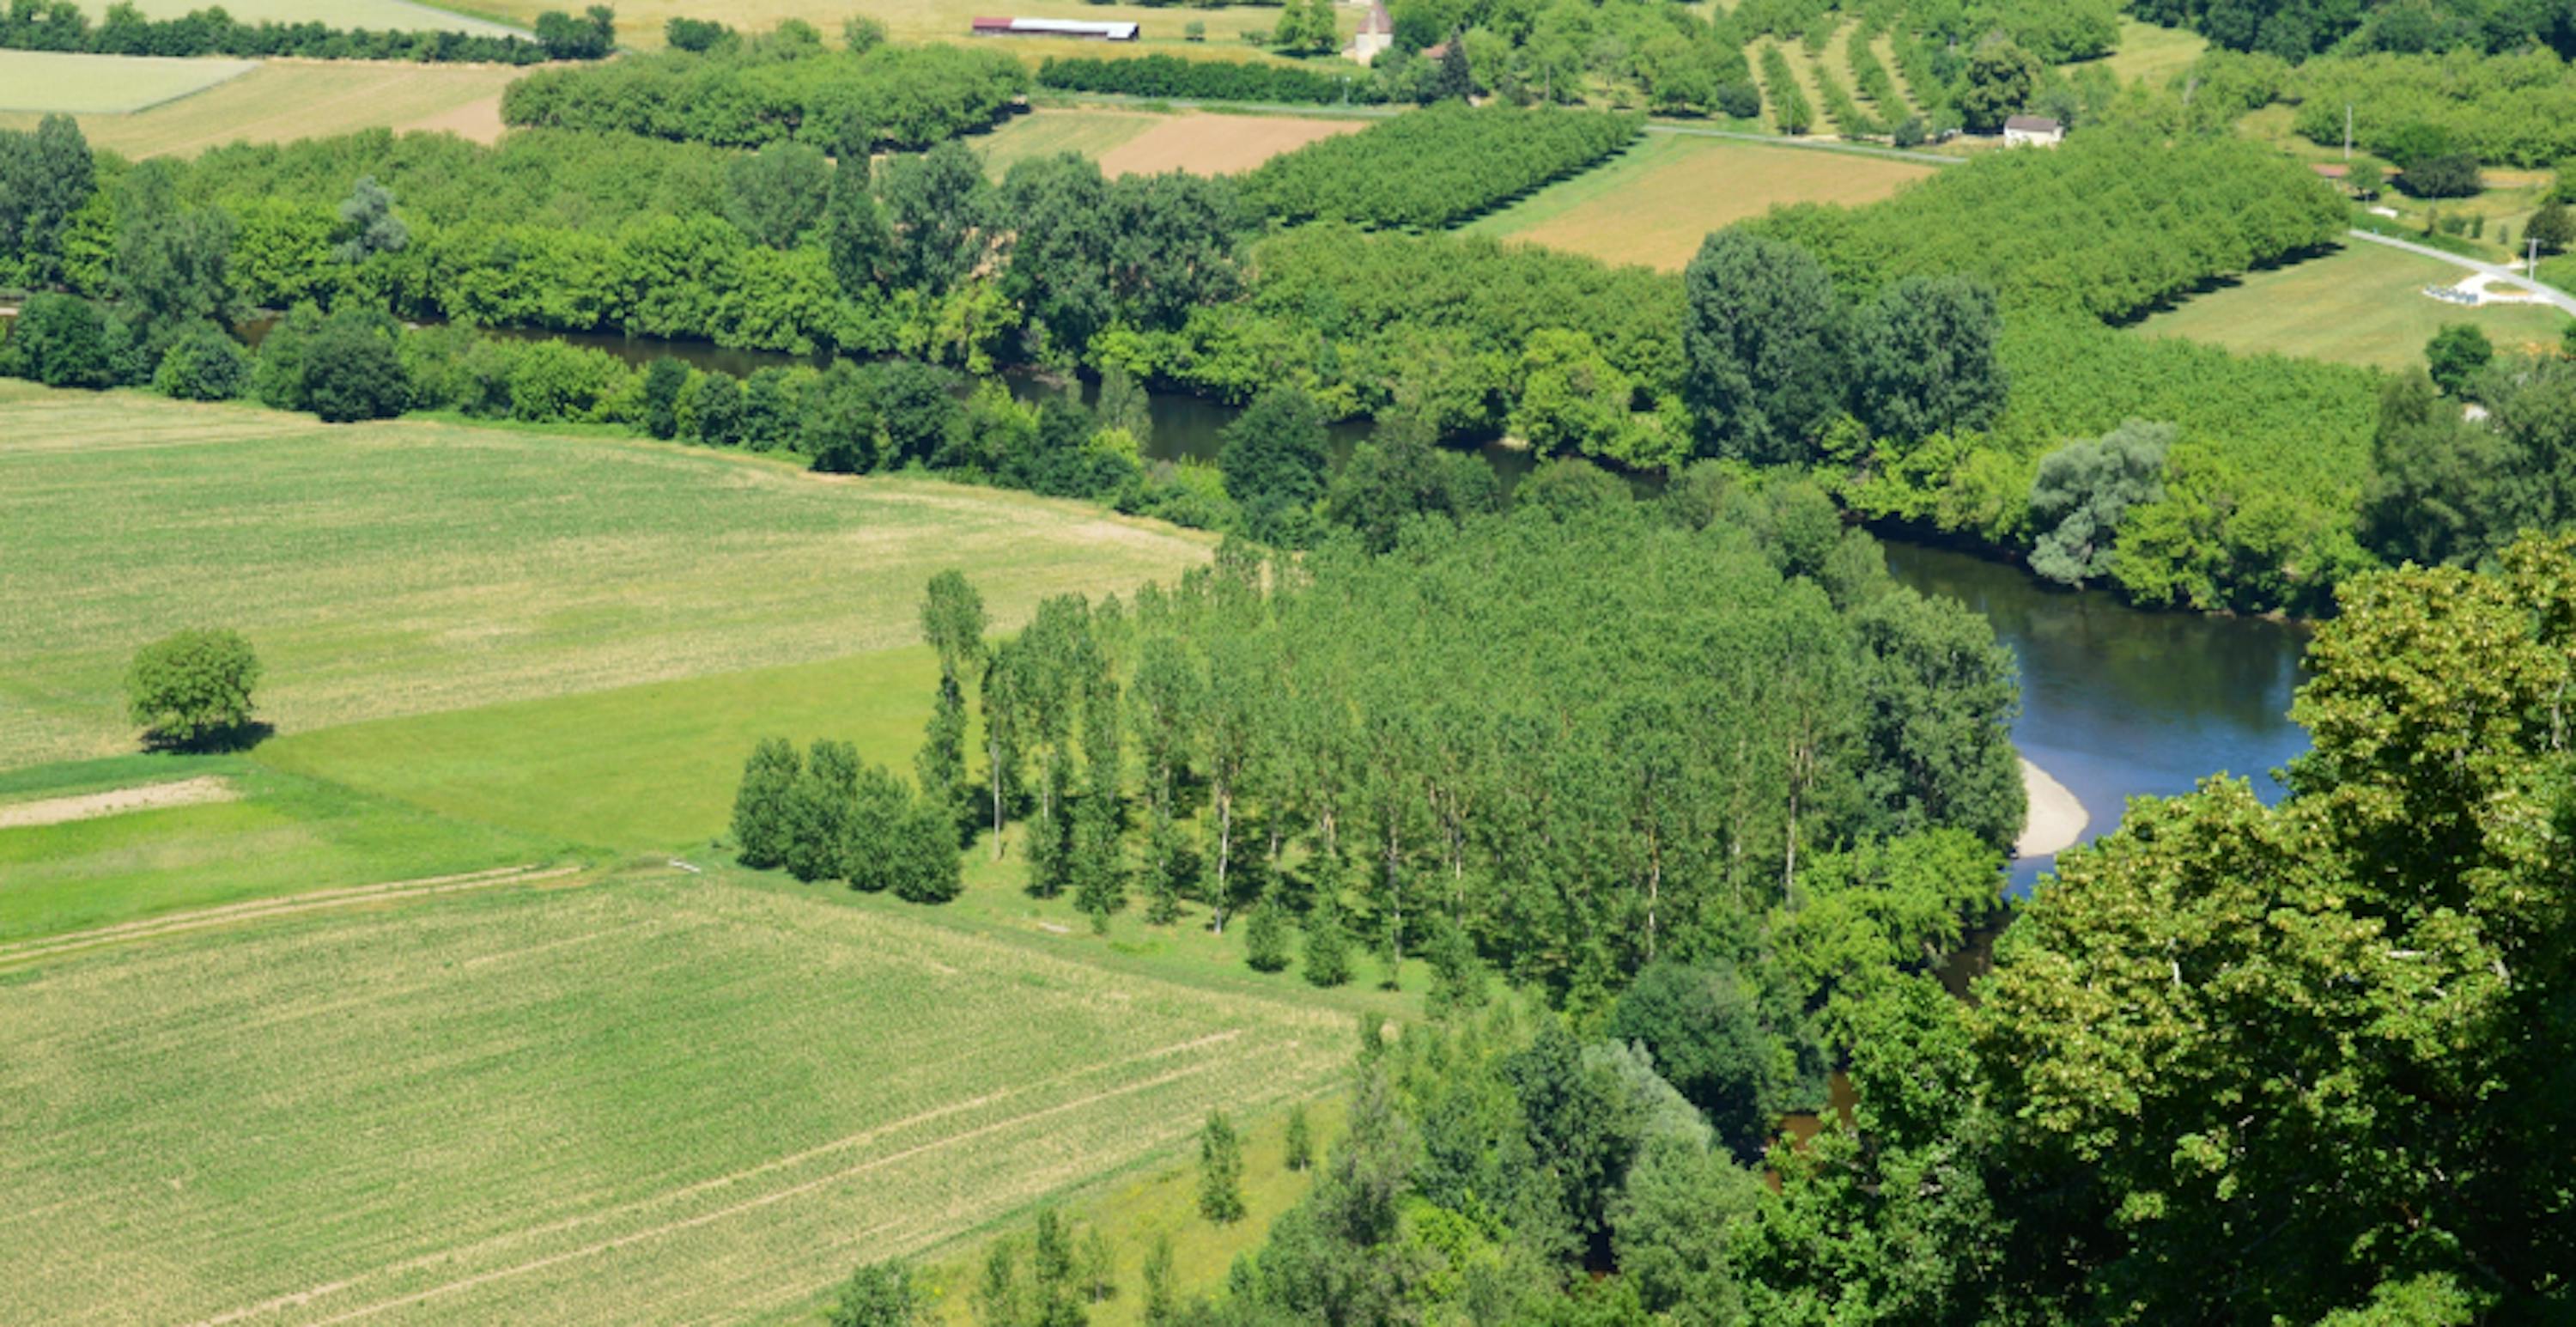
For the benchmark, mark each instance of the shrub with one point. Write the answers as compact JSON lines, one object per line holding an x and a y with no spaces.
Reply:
{"x":192,"y":687}
{"x":60,"y":341}
{"x":353,"y":370}
{"x":203,"y":364}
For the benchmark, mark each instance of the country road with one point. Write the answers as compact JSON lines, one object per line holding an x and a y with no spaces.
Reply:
{"x":2553,"y":294}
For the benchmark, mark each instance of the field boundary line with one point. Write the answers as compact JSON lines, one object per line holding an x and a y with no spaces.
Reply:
{"x":695,"y":1187}
{"x":769,"y":1199}
{"x":2565,"y":302}
{"x":260,"y":909}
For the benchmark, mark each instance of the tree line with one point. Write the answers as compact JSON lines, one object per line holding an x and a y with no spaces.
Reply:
{"x":1435,"y":167}
{"x":2293,"y":30}
{"x":63,"y":25}
{"x":783,"y":86}
{"x":2513,"y":108}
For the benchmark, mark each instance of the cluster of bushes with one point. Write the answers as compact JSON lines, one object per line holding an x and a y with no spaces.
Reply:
{"x":1434,"y":167}
{"x":2107,"y":227}
{"x":829,"y":816}
{"x":2517,"y":109}
{"x":1197,"y":80}
{"x":62,"y":25}
{"x":778,"y":89}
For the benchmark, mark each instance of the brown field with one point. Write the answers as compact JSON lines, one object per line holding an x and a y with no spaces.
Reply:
{"x":1217,"y":144}
{"x":1654,"y":204}
{"x":284,"y":100}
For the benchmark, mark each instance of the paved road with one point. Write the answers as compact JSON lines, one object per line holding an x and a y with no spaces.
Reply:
{"x":2553,"y":294}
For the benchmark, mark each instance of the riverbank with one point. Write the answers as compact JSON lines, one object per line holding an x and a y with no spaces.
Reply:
{"x":2056,"y":818}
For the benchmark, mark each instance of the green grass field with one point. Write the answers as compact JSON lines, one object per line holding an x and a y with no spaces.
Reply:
{"x":47,"y":82}
{"x":394,"y":15}
{"x":415,"y":567}
{"x":284,"y":100}
{"x":654,"y":1098}
{"x":1654,"y":203}
{"x":1084,"y":131}
{"x":2363,"y":304}
{"x":2153,"y":53}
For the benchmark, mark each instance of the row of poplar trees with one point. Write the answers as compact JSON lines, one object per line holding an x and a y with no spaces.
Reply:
{"x":1580,"y":741}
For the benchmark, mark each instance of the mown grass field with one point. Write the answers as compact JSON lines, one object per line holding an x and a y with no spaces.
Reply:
{"x":655,"y":1098}
{"x":1654,"y":203}
{"x":285,"y":834}
{"x":415,"y":567}
{"x":1083,"y":131}
{"x":640,"y":22}
{"x":2363,"y":304}
{"x":394,"y":15}
{"x":284,"y":100}
{"x":2156,"y":54}
{"x":47,"y":81}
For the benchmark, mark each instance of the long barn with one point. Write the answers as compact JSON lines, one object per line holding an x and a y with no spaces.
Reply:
{"x":1054,"y":27}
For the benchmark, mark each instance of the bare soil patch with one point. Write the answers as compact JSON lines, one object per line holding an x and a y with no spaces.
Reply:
{"x":475,"y":122}
{"x":1206,"y":144}
{"x":91,"y":806}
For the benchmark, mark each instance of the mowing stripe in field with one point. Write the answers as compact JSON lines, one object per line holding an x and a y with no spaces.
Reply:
{"x":61,"y":81}
{"x":261,"y":909}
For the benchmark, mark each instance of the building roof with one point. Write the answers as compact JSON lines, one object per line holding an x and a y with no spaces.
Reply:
{"x":1378,"y":23}
{"x":2033,"y":124}
{"x":1062,"y":27}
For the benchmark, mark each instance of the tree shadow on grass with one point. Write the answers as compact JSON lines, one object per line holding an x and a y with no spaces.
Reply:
{"x":229,"y":740}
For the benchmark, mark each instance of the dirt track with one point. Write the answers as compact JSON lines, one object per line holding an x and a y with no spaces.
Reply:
{"x":91,"y":806}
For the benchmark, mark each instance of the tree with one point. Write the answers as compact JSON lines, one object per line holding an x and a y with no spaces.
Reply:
{"x":862,"y":33}
{"x":1707,"y":1039}
{"x":937,"y":203}
{"x":2441,"y":489}
{"x":591,"y":37}
{"x":2365,"y":179}
{"x":2451,"y":175}
{"x":368,"y":225}
{"x":2552,"y":227}
{"x":2456,"y":355}
{"x":1299,"y":1142}
{"x":2001,"y":79}
{"x":1275,"y":458}
{"x":1220,"y":1171}
{"x":1928,"y":358}
{"x":1307,"y":27}
{"x":1125,"y":405}
{"x":172,"y":265}
{"x":877,"y":1294}
{"x":761,"y":824}
{"x":1160,"y":1305}
{"x":60,"y":341}
{"x":353,"y":369}
{"x":203,"y":363}
{"x":45,"y":178}
{"x":778,"y":193}
{"x":1571,"y":398}
{"x":696,"y":35}
{"x":856,"y":235}
{"x":1265,"y":940}
{"x":819,"y":810}
{"x":1452,"y":79}
{"x":1761,"y":345}
{"x":664,"y":379}
{"x":1328,"y":941}
{"x":2083,"y":489}
{"x":192,"y":687}
{"x":719,"y":403}
{"x":952,"y":622}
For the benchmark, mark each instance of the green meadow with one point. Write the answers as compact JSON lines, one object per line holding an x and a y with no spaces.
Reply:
{"x":77,"y":84}
{"x":2362,"y":304}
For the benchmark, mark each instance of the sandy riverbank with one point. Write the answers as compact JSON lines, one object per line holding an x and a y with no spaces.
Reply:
{"x":2056,"y":819}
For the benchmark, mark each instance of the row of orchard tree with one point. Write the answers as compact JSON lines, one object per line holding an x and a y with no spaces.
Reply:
{"x":1582,"y":739}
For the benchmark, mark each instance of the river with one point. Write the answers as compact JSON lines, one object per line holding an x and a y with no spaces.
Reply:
{"x":2116,"y":702}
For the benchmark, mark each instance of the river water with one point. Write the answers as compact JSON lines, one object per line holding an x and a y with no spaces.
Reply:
{"x":2116,"y":702}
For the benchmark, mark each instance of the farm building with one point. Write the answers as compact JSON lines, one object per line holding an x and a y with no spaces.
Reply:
{"x":2033,"y":131}
{"x":1053,"y":27}
{"x":1376,"y":34}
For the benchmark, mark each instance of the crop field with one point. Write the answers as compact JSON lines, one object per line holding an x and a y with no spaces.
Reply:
{"x":414,"y":567}
{"x":382,"y":15}
{"x":654,"y":1098}
{"x":1141,"y":142}
{"x":1653,"y":204}
{"x":2363,"y":304}
{"x":640,"y":22}
{"x":284,"y":100}
{"x":49,"y":81}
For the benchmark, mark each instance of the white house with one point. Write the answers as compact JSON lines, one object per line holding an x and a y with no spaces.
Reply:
{"x":1377,"y":32}
{"x":2033,"y":131}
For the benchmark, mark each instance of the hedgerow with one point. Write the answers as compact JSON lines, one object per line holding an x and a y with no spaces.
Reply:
{"x":1435,"y":167}
{"x":902,"y":97}
{"x":1195,"y":80}
{"x":61,"y":25}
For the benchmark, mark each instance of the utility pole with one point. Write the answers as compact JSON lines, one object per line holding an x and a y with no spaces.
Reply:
{"x":2347,"y":133}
